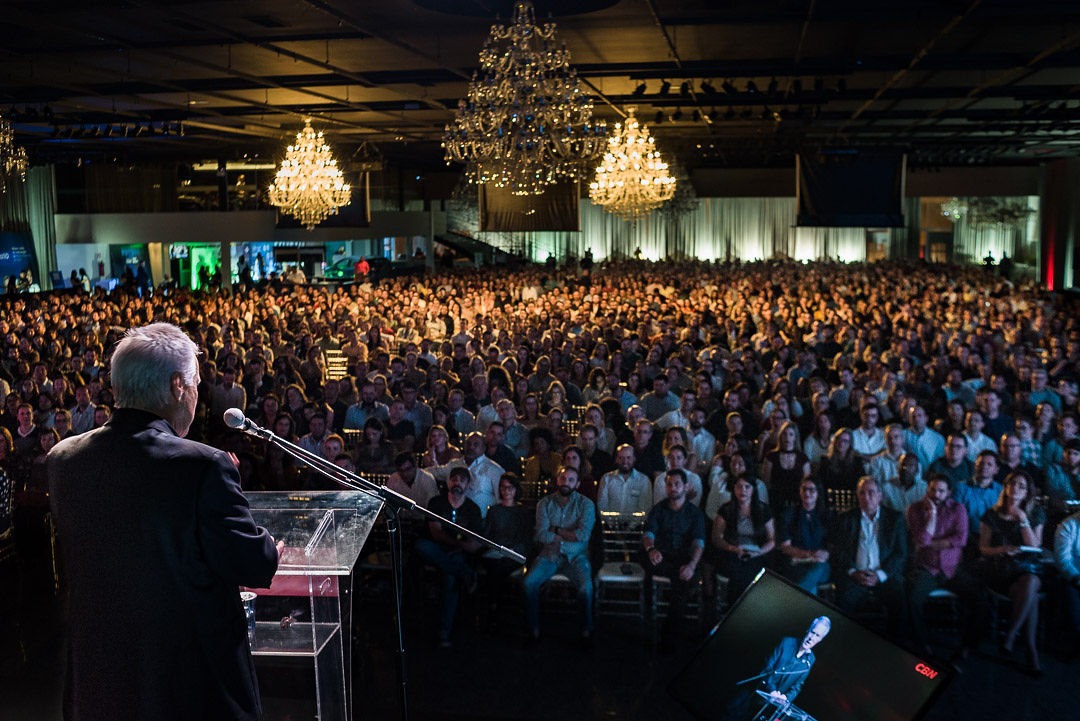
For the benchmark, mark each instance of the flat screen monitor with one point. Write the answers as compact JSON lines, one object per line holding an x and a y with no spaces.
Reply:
{"x":855,"y":675}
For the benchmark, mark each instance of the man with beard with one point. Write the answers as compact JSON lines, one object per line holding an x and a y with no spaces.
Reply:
{"x":702,"y":443}
{"x":450,"y":550}
{"x":564,"y":524}
{"x":625,"y":490}
{"x":674,"y":541}
{"x":938,"y":525}
{"x":367,"y":407}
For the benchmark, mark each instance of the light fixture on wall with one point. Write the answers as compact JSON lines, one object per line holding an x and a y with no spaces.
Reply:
{"x":309,"y":185}
{"x":525,"y":123}
{"x":13,"y":162}
{"x":632,"y":180}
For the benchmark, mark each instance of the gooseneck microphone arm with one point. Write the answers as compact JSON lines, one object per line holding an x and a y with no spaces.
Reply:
{"x":235,"y":418}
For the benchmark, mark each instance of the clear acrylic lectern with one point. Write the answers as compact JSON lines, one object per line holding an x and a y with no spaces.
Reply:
{"x":307,"y":611}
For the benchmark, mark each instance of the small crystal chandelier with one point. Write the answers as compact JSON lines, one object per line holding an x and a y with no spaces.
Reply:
{"x":525,"y":123}
{"x":309,"y":185}
{"x":632,"y":180}
{"x":13,"y":161}
{"x":954,"y":208}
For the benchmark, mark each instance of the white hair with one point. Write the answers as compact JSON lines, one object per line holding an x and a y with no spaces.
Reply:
{"x":144,"y":362}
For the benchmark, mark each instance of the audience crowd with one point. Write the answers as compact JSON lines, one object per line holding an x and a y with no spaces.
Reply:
{"x":875,"y":432}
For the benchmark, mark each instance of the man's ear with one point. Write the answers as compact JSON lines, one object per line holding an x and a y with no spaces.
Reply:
{"x":176,"y":386}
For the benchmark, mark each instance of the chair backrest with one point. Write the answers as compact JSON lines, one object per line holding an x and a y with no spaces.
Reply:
{"x":841,"y":499}
{"x":7,"y":516}
{"x":337,"y":365}
{"x":353,"y":437}
{"x":621,"y":535}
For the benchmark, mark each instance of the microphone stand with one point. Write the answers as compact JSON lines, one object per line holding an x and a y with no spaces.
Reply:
{"x":394,"y":502}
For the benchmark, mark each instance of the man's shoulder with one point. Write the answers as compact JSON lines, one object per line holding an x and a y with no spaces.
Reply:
{"x":489,"y":464}
{"x":156,"y":439}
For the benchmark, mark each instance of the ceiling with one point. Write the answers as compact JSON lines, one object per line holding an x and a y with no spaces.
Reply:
{"x":722,"y":83}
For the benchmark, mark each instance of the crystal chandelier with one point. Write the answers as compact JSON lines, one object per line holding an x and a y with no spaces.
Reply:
{"x":13,"y":161}
{"x":309,"y":185}
{"x":632,"y":180}
{"x":525,"y":123}
{"x":954,"y":208}
{"x":685,"y":201}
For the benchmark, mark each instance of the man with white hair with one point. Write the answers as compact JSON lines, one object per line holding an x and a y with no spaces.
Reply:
{"x":156,"y":537}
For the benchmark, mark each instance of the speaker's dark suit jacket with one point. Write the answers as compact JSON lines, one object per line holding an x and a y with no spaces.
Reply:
{"x":155,"y":536}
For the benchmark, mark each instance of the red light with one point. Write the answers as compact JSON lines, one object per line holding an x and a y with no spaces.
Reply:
{"x":923,"y":669}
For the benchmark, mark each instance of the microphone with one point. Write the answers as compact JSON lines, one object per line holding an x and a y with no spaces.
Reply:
{"x":235,"y":418}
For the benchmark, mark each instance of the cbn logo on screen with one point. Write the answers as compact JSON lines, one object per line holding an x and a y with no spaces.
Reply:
{"x":925,"y":670}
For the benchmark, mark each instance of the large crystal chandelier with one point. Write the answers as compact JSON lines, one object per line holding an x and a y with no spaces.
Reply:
{"x":13,"y":161}
{"x":309,"y":185}
{"x":632,"y":180}
{"x":525,"y":123}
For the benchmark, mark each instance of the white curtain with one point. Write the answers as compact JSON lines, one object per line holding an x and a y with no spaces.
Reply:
{"x":972,"y":243}
{"x":40,"y":209}
{"x":720,"y":228}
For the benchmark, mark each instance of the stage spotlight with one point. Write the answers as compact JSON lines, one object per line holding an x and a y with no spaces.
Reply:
{"x":665,"y":87}
{"x":678,"y":115}
{"x":729,"y":87}
{"x":684,"y":89}
{"x":659,"y":117}
{"x":751,"y":87}
{"x":640,"y":89}
{"x":707,"y":88}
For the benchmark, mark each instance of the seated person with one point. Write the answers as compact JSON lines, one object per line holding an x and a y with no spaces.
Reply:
{"x":450,"y":550}
{"x":541,"y":466}
{"x":803,"y":536}
{"x":869,"y":550}
{"x":508,"y":524}
{"x":1067,"y":557}
{"x":625,"y":490}
{"x":674,"y":541}
{"x":1015,"y":521}
{"x":564,"y":523}
{"x":938,"y":526}
{"x":412,"y":482}
{"x":979,"y":493}
{"x":744,"y":535}
{"x":439,"y":452}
